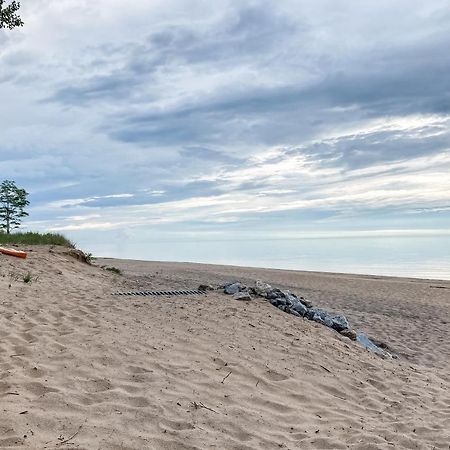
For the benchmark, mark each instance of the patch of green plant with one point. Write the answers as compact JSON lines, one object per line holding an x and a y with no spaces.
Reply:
{"x":89,"y":258}
{"x":28,"y":278}
{"x":114,"y":270}
{"x":32,"y":238}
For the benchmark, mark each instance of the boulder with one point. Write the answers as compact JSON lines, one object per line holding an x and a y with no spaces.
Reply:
{"x":274,"y":293}
{"x":307,"y":303}
{"x":340,"y":323}
{"x":278,"y":301}
{"x":233,"y":288}
{"x":294,"y":304}
{"x":351,"y":334}
{"x":262,"y":289}
{"x":294,"y":312}
{"x":320,"y":316}
{"x":371,"y":346}
{"x":291,"y":298}
{"x":313,"y":311}
{"x":300,"y":309}
{"x":243,"y":296}
{"x":290,"y":295}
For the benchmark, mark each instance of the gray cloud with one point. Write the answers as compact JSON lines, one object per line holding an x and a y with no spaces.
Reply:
{"x":256,"y":107}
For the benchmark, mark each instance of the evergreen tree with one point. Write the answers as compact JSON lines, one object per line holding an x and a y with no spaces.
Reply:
{"x":13,"y":200}
{"x":8,"y":15}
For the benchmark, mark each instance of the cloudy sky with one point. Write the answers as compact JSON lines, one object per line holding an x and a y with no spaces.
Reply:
{"x":198,"y":119}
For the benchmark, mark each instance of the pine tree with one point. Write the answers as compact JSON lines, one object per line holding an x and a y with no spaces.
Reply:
{"x":13,"y":200}
{"x":8,"y":15}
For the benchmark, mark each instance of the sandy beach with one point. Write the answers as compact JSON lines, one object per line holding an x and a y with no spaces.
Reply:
{"x":83,"y":369}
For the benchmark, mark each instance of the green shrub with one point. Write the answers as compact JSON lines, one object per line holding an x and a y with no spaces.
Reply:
{"x":114,"y":270}
{"x":31,"y":238}
{"x":28,"y":277}
{"x":89,"y":257}
{"x":25,"y":277}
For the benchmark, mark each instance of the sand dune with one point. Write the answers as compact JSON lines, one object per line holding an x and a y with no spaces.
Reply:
{"x":80,"y":368}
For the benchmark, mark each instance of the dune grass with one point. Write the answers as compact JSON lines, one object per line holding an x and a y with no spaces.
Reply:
{"x":31,"y":238}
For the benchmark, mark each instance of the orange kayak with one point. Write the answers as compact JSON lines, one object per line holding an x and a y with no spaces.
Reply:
{"x":12,"y":252}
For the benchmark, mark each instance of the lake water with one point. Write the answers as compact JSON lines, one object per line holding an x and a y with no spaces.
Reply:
{"x":421,"y":257}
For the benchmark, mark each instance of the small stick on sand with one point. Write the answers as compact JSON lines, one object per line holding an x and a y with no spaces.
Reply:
{"x":71,"y":437}
{"x":201,"y":405}
{"x":229,"y":373}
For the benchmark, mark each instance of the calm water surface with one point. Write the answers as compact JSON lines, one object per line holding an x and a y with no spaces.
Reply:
{"x":421,"y":257}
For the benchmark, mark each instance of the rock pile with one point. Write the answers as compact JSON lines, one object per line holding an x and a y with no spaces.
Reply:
{"x":290,"y":303}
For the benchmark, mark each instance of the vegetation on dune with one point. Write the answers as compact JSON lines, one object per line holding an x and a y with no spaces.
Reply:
{"x":31,"y":238}
{"x":13,"y":201}
{"x":113,"y":270}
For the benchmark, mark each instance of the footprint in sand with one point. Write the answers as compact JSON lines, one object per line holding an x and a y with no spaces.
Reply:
{"x":38,"y":388}
{"x":173,"y":425}
{"x":275,"y":376}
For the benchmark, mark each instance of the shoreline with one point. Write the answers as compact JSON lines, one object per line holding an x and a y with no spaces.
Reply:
{"x":393,"y":310}
{"x":306,"y":272}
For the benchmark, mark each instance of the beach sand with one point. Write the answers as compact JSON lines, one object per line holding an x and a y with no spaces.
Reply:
{"x":82,"y":369}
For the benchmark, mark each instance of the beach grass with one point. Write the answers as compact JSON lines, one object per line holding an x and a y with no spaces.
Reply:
{"x":33,"y":238}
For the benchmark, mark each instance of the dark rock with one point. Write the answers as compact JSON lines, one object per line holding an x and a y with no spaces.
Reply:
{"x":325,"y":321}
{"x":294,"y":303}
{"x":294,"y":312}
{"x":233,"y":288}
{"x":320,"y":316}
{"x":340,"y":323}
{"x":313,"y":311}
{"x":274,"y":293}
{"x":351,"y":334}
{"x":300,"y":309}
{"x":369,"y":345}
{"x":243,"y":296}
{"x":278,"y":301}
{"x":307,"y":303}
{"x":291,"y":298}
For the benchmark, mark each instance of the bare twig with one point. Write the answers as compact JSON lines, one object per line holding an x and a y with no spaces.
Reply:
{"x":229,"y":373}
{"x":71,"y":437}
{"x":324,"y":368}
{"x":201,"y":405}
